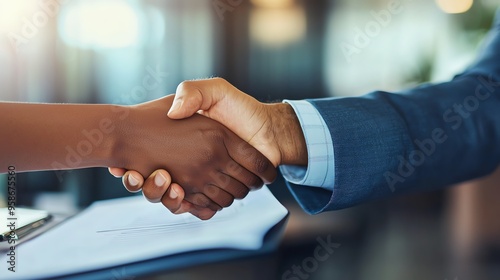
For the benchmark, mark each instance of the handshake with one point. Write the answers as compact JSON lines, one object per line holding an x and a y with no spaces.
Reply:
{"x":215,"y":145}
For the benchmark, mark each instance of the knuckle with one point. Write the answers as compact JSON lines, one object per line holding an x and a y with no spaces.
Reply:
{"x":201,"y":200}
{"x":211,"y":190}
{"x":255,"y":182}
{"x":189,"y":90}
{"x":251,"y":181}
{"x":205,"y":215}
{"x":184,"y":86}
{"x":228,"y":202}
{"x":222,"y":199}
{"x":208,"y":151}
{"x":214,"y":133}
{"x":261,"y":164}
{"x":204,"y":156}
{"x":242,"y":193}
{"x":258,"y":187}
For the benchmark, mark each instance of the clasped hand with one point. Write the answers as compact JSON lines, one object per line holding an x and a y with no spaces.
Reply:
{"x":211,"y":163}
{"x":270,"y":130}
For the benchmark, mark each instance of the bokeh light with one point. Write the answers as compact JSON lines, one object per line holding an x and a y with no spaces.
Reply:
{"x":99,"y":24}
{"x":455,"y":6}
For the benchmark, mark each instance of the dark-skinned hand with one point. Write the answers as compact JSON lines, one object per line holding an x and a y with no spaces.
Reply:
{"x":211,"y":163}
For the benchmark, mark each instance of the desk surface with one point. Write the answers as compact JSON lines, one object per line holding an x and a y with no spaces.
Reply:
{"x":185,"y":260}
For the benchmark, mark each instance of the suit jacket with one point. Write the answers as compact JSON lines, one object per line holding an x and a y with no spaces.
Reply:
{"x":423,"y":138}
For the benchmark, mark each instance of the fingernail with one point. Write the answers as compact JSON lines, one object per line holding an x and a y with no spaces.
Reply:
{"x":160,"y":180}
{"x":133,"y":181}
{"x":173,"y":194}
{"x":175,"y":106}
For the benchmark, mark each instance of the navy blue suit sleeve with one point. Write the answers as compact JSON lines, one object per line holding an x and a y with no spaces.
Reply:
{"x":424,"y":138}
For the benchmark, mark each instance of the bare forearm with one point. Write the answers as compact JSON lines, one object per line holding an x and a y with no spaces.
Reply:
{"x":56,"y":136}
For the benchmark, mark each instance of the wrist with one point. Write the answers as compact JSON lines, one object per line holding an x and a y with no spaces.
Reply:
{"x":288,"y":133}
{"x":113,"y":126}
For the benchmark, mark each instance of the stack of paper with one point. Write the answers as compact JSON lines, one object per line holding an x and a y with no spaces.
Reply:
{"x":121,"y":231}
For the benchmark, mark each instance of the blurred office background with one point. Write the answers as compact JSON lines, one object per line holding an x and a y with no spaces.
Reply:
{"x":99,"y":51}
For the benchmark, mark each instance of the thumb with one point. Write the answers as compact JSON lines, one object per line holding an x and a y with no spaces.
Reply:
{"x":184,"y":105}
{"x":192,"y":96}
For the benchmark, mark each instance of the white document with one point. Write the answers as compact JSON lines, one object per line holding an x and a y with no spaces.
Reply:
{"x":126,"y":230}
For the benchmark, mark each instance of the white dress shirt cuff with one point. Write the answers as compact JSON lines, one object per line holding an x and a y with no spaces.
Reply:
{"x":320,"y":171}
